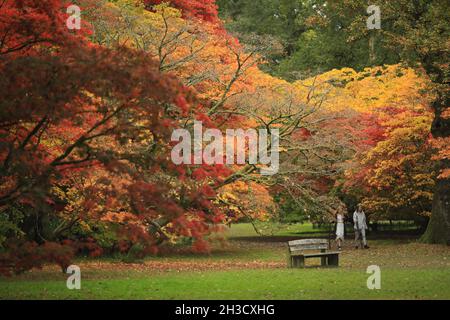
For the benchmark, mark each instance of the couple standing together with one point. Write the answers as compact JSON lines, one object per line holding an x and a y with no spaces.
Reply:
{"x":360,"y":225}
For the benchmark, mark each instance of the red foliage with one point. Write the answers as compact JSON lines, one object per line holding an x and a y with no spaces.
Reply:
{"x":83,"y":110}
{"x":27,"y":23}
{"x":88,"y":246}
{"x":202,"y":9}
{"x":21,"y":257}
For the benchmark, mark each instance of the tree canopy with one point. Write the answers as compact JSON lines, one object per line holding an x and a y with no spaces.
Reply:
{"x":86,"y":119}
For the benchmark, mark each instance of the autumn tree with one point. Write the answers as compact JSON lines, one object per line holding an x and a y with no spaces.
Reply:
{"x":225,"y":72}
{"x":388,"y":170}
{"x":394,"y":179}
{"x":422,"y":33}
{"x":83,"y":113}
{"x":335,"y":35}
{"x":418,"y":32}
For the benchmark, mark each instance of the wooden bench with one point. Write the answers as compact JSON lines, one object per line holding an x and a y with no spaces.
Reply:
{"x":299,"y":250}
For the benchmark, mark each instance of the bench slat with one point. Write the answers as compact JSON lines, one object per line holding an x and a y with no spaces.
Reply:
{"x":307,"y":241}
{"x":308,"y":247}
{"x":318,"y":254}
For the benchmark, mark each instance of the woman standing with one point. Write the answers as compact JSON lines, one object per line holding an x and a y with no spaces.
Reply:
{"x":339,"y":230}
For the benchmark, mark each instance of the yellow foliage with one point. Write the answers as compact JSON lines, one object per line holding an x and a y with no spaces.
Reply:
{"x":247,"y":199}
{"x":368,"y":90}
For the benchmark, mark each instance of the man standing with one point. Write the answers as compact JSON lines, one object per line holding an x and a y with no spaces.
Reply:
{"x":359,"y":220}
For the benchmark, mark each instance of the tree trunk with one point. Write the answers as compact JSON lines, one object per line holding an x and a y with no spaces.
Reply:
{"x":438,"y":230}
{"x":372,"y":52}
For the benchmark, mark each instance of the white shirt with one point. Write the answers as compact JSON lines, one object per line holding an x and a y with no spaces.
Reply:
{"x":359,"y":218}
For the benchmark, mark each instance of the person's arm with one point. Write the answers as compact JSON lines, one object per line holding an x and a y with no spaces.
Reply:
{"x":355,"y":220}
{"x":365,"y":221}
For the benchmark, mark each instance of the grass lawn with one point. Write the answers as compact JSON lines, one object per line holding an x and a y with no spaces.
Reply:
{"x":246,"y":230}
{"x":249,"y":269}
{"x":244,"y":284}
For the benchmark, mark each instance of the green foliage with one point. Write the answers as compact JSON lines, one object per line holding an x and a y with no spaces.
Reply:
{"x":134,"y":254}
{"x":317,"y":35}
{"x":289,"y":210}
{"x":104,"y":234}
{"x":278,"y":19}
{"x":9,"y":225}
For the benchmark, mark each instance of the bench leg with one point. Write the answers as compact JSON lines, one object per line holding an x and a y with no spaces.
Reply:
{"x":298,"y":261}
{"x":301,"y":262}
{"x":294,"y":261}
{"x":333,"y":260}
